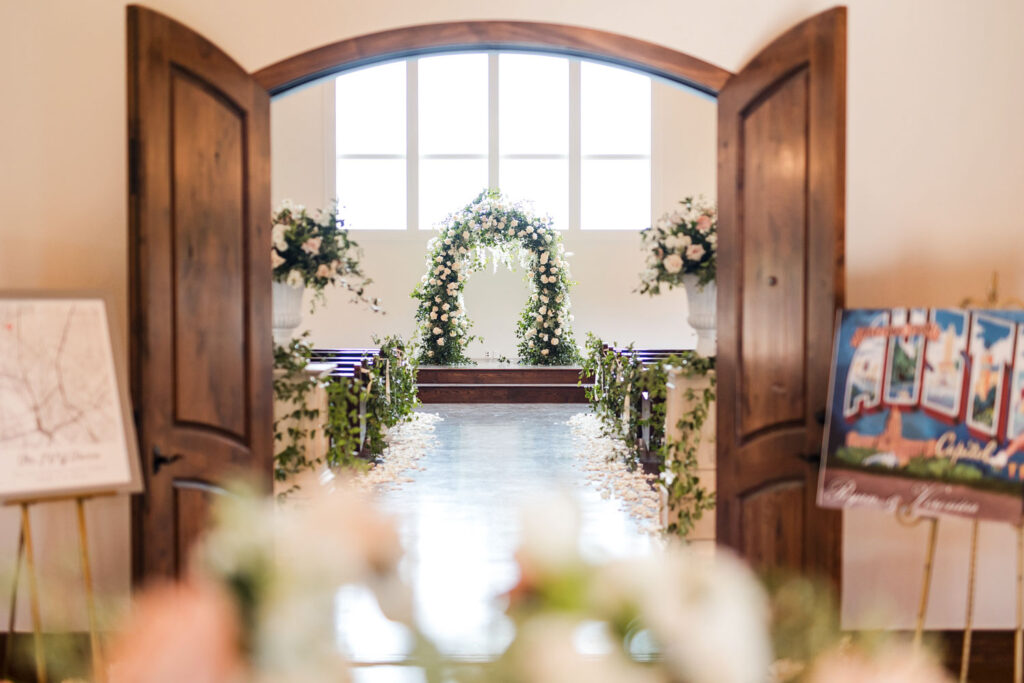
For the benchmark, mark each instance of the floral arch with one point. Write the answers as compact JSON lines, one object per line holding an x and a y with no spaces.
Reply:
{"x":492,"y":224}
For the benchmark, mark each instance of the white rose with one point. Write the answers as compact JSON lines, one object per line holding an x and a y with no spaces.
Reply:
{"x":275,"y":259}
{"x":433,"y":316}
{"x":323,"y":271}
{"x":554,"y":342}
{"x":440,"y":341}
{"x":446,"y":306}
{"x":543,"y":352}
{"x":295,"y":279}
{"x":673,"y":263}
{"x":430,"y":353}
{"x":437,"y":330}
{"x":543,"y":310}
{"x":277,"y":235}
{"x":465,"y":234}
{"x":544,"y":257}
{"x":444,"y":316}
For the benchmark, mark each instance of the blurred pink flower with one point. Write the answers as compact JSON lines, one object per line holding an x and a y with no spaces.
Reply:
{"x":704,"y":223}
{"x":179,"y":632}
{"x":312,"y":245}
{"x":894,"y":664}
{"x":694,"y":252}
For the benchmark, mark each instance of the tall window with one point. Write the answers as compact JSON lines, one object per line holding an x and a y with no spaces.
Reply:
{"x":417,"y":139}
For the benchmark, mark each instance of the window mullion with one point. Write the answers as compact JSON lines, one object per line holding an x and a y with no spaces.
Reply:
{"x":412,"y":145}
{"x":575,"y":163}
{"x":493,"y":150}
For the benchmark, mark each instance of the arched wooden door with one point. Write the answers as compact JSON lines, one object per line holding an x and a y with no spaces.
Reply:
{"x":200,"y":281}
{"x":200,"y":285}
{"x":781,"y":180}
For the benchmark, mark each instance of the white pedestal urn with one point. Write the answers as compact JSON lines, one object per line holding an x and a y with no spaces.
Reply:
{"x":703,"y":314}
{"x":287,"y":310}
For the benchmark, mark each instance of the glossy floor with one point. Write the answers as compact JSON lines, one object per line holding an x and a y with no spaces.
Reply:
{"x":459,"y":521}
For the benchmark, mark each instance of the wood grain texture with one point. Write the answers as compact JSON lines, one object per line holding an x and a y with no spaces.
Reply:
{"x":781,"y":180}
{"x":199,"y":213}
{"x":650,"y":58}
{"x":502,"y":393}
{"x":512,"y":375}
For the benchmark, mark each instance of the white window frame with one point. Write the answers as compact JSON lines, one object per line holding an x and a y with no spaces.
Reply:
{"x":412,"y":156}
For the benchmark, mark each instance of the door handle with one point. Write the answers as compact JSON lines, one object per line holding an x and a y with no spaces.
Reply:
{"x":811,"y":458}
{"x":160,"y":460}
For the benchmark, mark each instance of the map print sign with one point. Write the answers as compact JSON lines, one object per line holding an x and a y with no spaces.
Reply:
{"x":926,"y":413}
{"x":64,"y":426}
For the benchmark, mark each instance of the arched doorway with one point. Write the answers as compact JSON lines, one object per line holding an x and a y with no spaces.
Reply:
{"x":192,"y":111}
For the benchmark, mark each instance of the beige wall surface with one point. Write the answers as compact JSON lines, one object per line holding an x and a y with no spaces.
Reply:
{"x":935,"y":171}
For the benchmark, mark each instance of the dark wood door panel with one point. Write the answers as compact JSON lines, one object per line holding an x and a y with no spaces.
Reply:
{"x":209,"y":230}
{"x":781,"y":183}
{"x":774,"y":234}
{"x":769,"y":516}
{"x":199,"y":207}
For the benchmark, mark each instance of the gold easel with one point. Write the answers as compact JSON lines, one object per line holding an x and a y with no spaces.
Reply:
{"x":907,"y":518}
{"x":25,"y":548}
{"x":992,"y":300}
{"x":1018,"y":637}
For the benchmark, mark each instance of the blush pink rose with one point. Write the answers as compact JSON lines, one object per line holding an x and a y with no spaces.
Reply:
{"x":695,"y":252}
{"x":704,"y":223}
{"x":312,"y":245}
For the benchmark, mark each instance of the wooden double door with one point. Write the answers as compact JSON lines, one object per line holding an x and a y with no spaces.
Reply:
{"x":200,"y":276}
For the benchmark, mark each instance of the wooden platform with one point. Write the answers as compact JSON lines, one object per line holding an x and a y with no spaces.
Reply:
{"x":500,"y":384}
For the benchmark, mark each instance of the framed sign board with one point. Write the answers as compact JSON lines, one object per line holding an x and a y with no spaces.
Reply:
{"x":926,"y":413}
{"x":65,"y":422}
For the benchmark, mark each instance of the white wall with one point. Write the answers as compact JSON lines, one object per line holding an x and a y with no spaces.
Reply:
{"x":605,"y":265}
{"x":935,"y":167}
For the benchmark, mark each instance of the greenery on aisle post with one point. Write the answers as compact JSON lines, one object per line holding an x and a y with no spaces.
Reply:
{"x":620,"y":377}
{"x":491,"y":224}
{"x":387,"y":395}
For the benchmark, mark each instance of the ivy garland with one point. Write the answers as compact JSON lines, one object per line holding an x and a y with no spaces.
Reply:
{"x":389,"y":397}
{"x":492,"y":224}
{"x":619,"y":377}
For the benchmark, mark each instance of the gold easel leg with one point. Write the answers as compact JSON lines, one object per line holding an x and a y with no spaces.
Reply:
{"x":926,"y":585}
{"x":965,"y":652}
{"x":1018,"y":638}
{"x":33,"y":592}
{"x":12,"y":614}
{"x":98,"y":670}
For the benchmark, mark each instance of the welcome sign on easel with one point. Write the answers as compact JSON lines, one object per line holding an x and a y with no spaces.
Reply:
{"x":926,"y":413}
{"x":65,"y":426}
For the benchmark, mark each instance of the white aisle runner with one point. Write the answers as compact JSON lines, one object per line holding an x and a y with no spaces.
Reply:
{"x":459,"y":522}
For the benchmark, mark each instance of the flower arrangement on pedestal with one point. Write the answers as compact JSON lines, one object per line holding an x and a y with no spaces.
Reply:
{"x":491,"y":224}
{"x":682,"y":249}
{"x":683,"y":242}
{"x":310,"y":249}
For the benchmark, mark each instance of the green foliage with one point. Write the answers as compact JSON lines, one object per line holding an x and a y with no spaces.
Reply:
{"x":622,"y":377}
{"x":292,"y":385}
{"x":943,"y":469}
{"x":490,"y":224}
{"x":855,"y":455}
{"x":387,"y":394}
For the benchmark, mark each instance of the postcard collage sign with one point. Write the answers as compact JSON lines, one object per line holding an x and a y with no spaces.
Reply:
{"x":926,"y":413}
